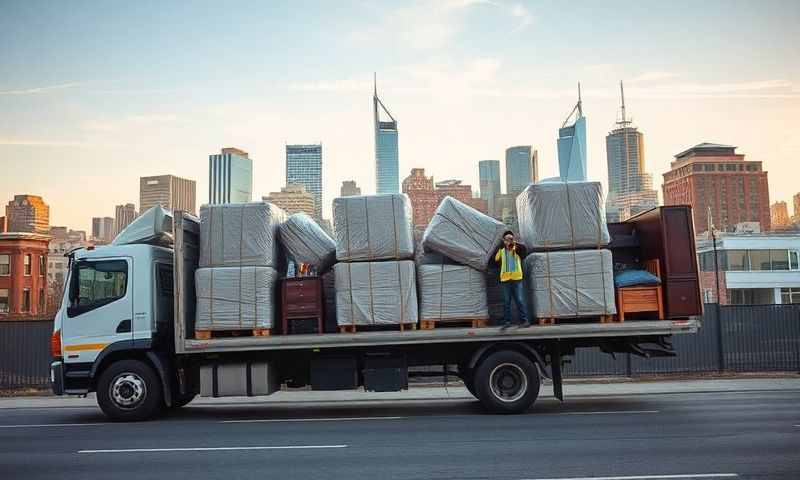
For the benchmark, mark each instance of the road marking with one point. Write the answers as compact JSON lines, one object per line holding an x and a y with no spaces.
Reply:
{"x":651,"y":477}
{"x":212,"y":449}
{"x":341,"y":419}
{"x":54,"y":425}
{"x":611,"y":412}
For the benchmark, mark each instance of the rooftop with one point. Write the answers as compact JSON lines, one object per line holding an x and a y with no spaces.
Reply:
{"x":24,"y":236}
{"x":706,"y":148}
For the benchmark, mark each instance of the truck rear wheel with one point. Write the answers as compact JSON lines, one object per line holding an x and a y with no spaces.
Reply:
{"x":506,"y":382}
{"x":129,"y":391}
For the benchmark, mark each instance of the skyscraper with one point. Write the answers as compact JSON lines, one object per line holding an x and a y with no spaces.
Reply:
{"x":572,"y":145}
{"x":489,"y":179}
{"x":123,"y":216}
{"x":720,"y":185}
{"x":522,"y":168}
{"x":630,"y":188}
{"x":349,"y":189}
{"x":27,"y":214}
{"x":230,"y":177}
{"x":387,"y":163}
{"x":304,"y":167}
{"x":169,"y":191}
{"x":103,"y":229}
{"x":779,"y":216}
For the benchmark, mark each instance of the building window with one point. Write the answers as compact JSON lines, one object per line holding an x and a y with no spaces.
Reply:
{"x":780,"y":259}
{"x":793,"y":260}
{"x":790,"y":295}
{"x":27,"y":264}
{"x":3,"y":300}
{"x":737,"y":260}
{"x":5,"y":264}
{"x":41,"y":300}
{"x":708,"y":295}
{"x":759,"y":260}
{"x":26,"y":300}
{"x":42,"y":265}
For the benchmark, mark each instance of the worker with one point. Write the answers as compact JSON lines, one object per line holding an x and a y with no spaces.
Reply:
{"x":510,"y":257}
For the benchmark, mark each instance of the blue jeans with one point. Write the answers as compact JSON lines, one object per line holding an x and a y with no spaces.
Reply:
{"x":513,"y":289}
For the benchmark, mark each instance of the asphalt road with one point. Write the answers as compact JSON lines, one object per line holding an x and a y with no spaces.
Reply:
{"x":747,"y":435}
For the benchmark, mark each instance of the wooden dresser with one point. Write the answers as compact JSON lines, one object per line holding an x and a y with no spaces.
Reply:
{"x":301,"y":305}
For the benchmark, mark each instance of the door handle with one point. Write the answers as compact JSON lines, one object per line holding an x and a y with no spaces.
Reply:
{"x":124,"y":326}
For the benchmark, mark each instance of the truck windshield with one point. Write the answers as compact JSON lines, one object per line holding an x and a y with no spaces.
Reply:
{"x":95,"y":284}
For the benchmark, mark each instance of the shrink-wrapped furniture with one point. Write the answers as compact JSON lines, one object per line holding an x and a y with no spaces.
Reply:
{"x":306,"y":242}
{"x":574,"y":283}
{"x":235,"y":298}
{"x":463,"y":234}
{"x":376,"y":293}
{"x":451,"y":292}
{"x":562,"y":215}
{"x":375,"y":227}
{"x":240,"y":234}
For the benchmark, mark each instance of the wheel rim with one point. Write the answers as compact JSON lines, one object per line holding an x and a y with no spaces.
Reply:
{"x":127,"y":390}
{"x":508,"y":382}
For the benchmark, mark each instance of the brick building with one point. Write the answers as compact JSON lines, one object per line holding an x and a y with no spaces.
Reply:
{"x":23,"y":275}
{"x":462,"y":193}
{"x":712,"y":176}
{"x":424,"y":199}
{"x":27,"y":213}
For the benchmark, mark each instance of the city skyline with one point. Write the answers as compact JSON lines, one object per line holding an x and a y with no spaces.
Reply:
{"x":459,"y":101}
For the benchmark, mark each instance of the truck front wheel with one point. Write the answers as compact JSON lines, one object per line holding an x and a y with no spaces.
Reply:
{"x":129,"y":391}
{"x":506,"y":382}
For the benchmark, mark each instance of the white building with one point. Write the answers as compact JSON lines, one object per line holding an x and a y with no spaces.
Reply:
{"x":58,"y":264}
{"x":753,"y":268}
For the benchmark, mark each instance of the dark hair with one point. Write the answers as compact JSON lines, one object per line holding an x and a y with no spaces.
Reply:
{"x":507,"y":232}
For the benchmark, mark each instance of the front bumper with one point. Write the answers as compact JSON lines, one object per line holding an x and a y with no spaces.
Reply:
{"x":57,"y":377}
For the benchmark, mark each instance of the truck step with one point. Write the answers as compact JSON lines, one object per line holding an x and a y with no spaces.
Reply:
{"x":209,"y":334}
{"x":377,"y":328}
{"x":454,"y":322}
{"x":573,"y":320}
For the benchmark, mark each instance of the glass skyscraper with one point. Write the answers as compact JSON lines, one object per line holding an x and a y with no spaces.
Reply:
{"x":489,"y":177}
{"x":522,"y":168}
{"x":230,"y":177}
{"x":387,"y":163}
{"x":304,"y":167}
{"x":572,"y":145}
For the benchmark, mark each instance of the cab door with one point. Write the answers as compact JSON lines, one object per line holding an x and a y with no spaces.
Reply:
{"x":100,"y":308}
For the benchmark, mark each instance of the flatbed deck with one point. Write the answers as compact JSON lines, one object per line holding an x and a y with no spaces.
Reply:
{"x":444,"y":335}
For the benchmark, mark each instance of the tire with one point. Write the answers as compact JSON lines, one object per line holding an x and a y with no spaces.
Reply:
{"x":182,"y":401}
{"x":506,"y":381}
{"x":129,"y":391}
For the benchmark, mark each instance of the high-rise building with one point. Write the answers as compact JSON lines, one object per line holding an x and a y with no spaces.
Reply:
{"x":716,"y":180}
{"x":387,"y":163}
{"x":630,"y":187}
{"x":123,"y":216}
{"x":23,"y":275}
{"x":304,"y":167}
{"x":349,"y":189}
{"x":522,"y":168}
{"x":102,"y":229}
{"x":796,"y":212}
{"x":779,"y":216}
{"x":230,"y":177}
{"x":27,"y":213}
{"x":489,"y":179}
{"x":64,"y":234}
{"x":462,"y":193}
{"x":572,"y":144}
{"x":169,"y":191}
{"x":293,"y":199}
{"x":423,"y":196}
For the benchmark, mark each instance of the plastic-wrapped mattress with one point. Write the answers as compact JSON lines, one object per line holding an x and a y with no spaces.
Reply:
{"x":463,"y":234}
{"x":449,"y":292}
{"x":306,"y":242}
{"x":560,"y":215}
{"x":376,"y":293}
{"x":376,"y":227}
{"x":570,"y":283}
{"x":235,"y":298}
{"x":240,"y":235}
{"x":153,"y":226}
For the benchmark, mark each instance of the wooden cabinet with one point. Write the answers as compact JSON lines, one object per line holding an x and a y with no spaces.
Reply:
{"x":301,"y":299}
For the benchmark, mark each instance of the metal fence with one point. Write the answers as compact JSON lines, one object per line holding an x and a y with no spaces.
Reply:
{"x":740,"y":339}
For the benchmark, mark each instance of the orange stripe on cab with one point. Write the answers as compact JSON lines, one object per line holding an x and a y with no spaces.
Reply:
{"x":85,"y":346}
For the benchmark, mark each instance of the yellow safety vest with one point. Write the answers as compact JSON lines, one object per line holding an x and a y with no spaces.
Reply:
{"x":505,"y":274}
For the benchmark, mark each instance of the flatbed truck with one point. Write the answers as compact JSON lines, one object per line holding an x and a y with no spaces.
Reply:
{"x":125,"y":331}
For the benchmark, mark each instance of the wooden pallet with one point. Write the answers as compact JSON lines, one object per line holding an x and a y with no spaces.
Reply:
{"x":454,"y":322}
{"x":377,"y":328}
{"x":209,"y":334}
{"x":554,"y":321}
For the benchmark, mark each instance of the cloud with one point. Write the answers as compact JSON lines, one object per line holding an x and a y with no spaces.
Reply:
{"x":38,"y":90}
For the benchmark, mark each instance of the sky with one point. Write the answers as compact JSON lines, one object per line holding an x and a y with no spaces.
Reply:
{"x":94,"y":95}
